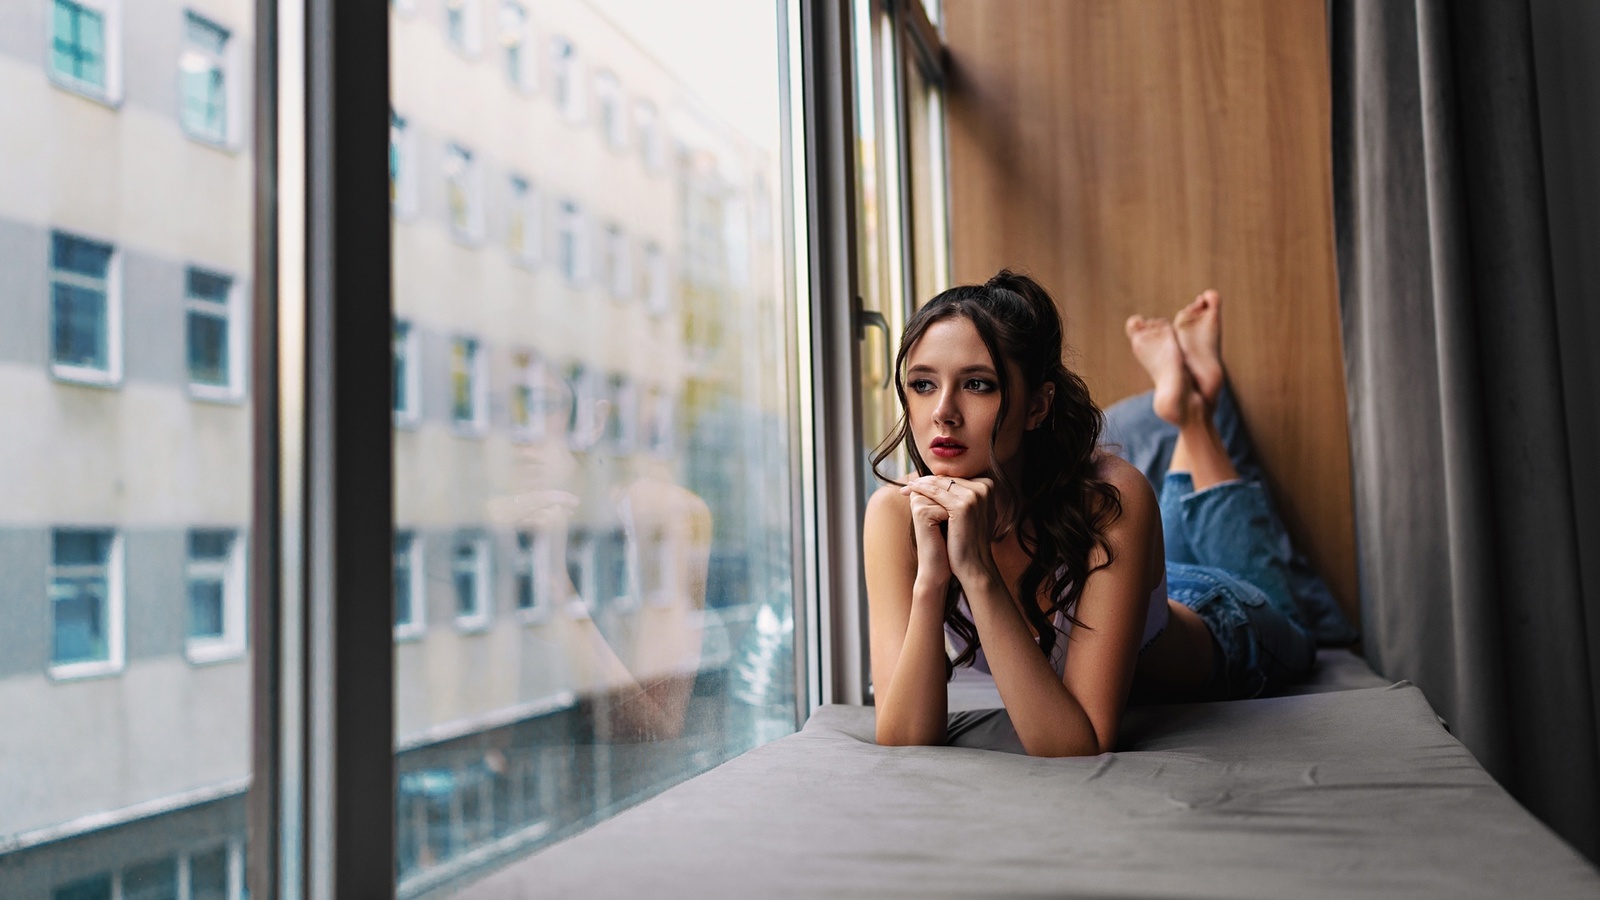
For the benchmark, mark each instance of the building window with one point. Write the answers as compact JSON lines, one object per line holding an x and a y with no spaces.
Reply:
{"x":82,"y":40}
{"x":529,"y":411}
{"x":564,"y":78}
{"x":85,"y":309}
{"x":407,"y":389}
{"x":522,"y":220}
{"x":616,"y":264}
{"x":570,"y":244}
{"x":579,"y":384}
{"x":656,"y":295}
{"x":648,"y":125}
{"x":615,"y":588}
{"x":658,"y":409}
{"x":462,"y":193}
{"x":203,"y":72}
{"x":402,"y":167}
{"x":463,"y":26}
{"x":469,"y":574}
{"x":608,"y":104}
{"x":213,"y":341}
{"x":85,"y":601}
{"x":216,"y":580}
{"x":581,"y":573}
{"x":520,"y":68}
{"x":622,"y":415}
{"x":409,"y":606}
{"x":533,"y":553}
{"x":467,"y":383}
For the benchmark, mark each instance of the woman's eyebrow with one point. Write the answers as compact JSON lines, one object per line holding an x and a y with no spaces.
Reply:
{"x":969,"y":370}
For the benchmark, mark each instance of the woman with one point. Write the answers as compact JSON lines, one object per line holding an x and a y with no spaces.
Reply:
{"x":1042,"y":556}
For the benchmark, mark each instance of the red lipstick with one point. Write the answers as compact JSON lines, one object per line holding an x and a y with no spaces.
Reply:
{"x":946,"y":448}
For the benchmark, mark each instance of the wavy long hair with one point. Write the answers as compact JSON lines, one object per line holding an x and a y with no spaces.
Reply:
{"x":1060,"y":510}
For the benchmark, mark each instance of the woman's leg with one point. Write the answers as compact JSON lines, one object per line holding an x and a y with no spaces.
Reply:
{"x":1223,"y":551}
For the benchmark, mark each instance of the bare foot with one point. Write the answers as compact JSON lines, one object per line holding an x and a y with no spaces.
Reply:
{"x":1199,"y":328}
{"x":1155,"y":345}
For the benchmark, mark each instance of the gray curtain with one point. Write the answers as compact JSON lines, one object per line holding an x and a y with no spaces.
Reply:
{"x":1469,"y":352}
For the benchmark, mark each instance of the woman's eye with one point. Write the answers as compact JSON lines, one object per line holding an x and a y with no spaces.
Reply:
{"x":979,"y":386}
{"x":922,"y":385}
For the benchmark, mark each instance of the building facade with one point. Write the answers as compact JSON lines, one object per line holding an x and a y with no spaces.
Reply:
{"x":592,"y":578}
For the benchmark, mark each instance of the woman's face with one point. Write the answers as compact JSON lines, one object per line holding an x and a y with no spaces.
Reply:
{"x":953,"y":400}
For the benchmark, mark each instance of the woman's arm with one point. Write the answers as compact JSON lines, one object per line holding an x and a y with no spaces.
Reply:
{"x":1076,"y":714}
{"x":905,"y":602}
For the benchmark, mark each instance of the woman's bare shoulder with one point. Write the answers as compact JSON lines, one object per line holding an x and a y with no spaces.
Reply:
{"x":1137,"y":497}
{"x":888,"y":506}
{"x":1120,"y":473}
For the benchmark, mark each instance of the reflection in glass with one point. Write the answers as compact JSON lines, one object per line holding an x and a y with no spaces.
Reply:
{"x":607,"y":481}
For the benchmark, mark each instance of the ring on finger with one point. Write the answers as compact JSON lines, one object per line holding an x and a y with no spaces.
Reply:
{"x":952,"y":485}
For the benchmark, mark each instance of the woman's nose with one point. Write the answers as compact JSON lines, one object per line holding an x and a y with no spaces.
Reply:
{"x":946,"y":412}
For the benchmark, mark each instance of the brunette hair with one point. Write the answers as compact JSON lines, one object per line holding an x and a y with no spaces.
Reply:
{"x":1060,"y":509}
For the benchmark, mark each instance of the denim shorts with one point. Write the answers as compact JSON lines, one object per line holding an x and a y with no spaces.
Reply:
{"x":1228,"y":561}
{"x":1255,"y":647}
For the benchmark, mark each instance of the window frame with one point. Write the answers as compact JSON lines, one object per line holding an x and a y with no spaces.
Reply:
{"x":533,"y":563}
{"x":232,"y":643}
{"x":528,"y":203}
{"x":470,"y":42}
{"x":233,"y":319}
{"x":111,"y":375}
{"x":469,"y":180}
{"x":528,"y":372}
{"x":521,"y":37}
{"x":111,"y":24}
{"x":483,"y":582}
{"x":617,"y":262}
{"x":226,"y":61}
{"x":417,"y":625}
{"x":403,"y":188}
{"x":611,"y":110}
{"x":572,"y":242}
{"x":566,"y":79}
{"x":115,"y":611}
{"x":476,"y":370}
{"x":409,"y":416}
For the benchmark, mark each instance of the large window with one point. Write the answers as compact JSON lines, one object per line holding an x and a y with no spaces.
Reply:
{"x":203,"y":73}
{"x":85,"y":306}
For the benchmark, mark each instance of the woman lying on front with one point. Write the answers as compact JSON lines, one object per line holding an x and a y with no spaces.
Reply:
{"x":1041,"y":556}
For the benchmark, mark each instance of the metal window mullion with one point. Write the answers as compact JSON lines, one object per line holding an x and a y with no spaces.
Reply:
{"x":321,"y":809}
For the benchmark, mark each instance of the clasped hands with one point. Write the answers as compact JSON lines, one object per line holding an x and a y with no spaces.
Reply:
{"x":965,"y":507}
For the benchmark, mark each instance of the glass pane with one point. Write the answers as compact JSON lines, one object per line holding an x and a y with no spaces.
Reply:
{"x":80,"y":327}
{"x":205,"y":607}
{"x":658,"y":341}
{"x":151,"y":881}
{"x":208,"y":875}
{"x":125,"y":752}
{"x":208,"y":349}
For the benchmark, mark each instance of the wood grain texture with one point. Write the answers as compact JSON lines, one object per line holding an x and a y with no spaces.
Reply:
{"x":1130,"y":153}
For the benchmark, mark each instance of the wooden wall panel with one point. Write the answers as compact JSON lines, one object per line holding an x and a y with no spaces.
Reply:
{"x":1130,"y":153}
